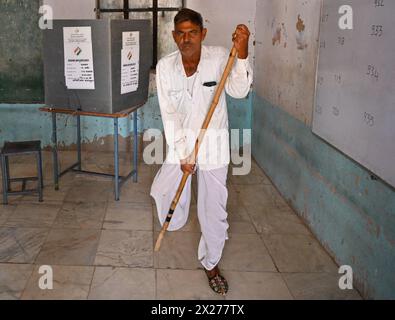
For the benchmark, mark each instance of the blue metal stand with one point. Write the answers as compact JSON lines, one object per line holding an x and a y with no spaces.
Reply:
{"x":136,"y":146}
{"x":77,"y":167}
{"x":55,"y":152}
{"x":21,"y":148}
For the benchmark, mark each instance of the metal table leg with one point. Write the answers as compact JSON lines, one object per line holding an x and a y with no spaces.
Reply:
{"x":5,"y":179}
{"x":41,"y":168}
{"x":135,"y":155}
{"x":116,"y":160}
{"x":39,"y":177}
{"x":55,"y":152}
{"x":7,"y":168}
{"x":79,"y":141}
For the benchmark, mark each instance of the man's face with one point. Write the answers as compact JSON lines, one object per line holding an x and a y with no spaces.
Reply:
{"x":189,"y":38}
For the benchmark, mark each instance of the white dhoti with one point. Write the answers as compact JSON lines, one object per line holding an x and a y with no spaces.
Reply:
{"x":211,"y":207}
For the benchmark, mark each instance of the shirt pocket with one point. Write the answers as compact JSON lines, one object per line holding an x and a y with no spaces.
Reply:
{"x":208,"y":94}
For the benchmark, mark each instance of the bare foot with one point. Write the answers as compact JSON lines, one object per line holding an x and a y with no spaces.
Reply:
{"x":212,"y":273}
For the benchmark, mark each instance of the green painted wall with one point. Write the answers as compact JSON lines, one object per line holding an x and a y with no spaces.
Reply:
{"x":21,"y":68}
{"x":351,"y":214}
{"x":25,"y":122}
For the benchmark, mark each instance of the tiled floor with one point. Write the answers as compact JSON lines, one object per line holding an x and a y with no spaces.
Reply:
{"x":102,"y":249}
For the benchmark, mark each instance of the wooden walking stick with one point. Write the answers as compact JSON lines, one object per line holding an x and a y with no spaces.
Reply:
{"x":198,"y":142}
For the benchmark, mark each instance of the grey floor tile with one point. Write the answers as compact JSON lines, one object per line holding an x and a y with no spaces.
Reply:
{"x":254,"y":176}
{"x":123,"y":251}
{"x":254,"y":195}
{"x":6,"y":211}
{"x":249,"y":179}
{"x":105,"y":163}
{"x":278,"y":199}
{"x":69,"y":283}
{"x":134,"y":193}
{"x":144,"y":179}
{"x":260,"y":195}
{"x":81,"y":215}
{"x":40,"y":215}
{"x":15,"y":199}
{"x":256,"y":286}
{"x":50,"y":194}
{"x":110,"y":283}
{"x":13,"y":279}
{"x":246,"y":252}
{"x":298,"y":253}
{"x":237,"y":211}
{"x":234,"y":195}
{"x":65,"y":181}
{"x":184,"y":285}
{"x":178,"y":251}
{"x":241,"y":227}
{"x":125,"y":248}
{"x":128,"y":216}
{"x":70,"y":247}
{"x":272,"y":220}
{"x":318,"y":286}
{"x":86,"y":191}
{"x":21,"y":245}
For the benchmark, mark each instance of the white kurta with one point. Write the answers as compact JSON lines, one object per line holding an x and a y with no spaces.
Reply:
{"x":183,"y":113}
{"x":184,"y":104}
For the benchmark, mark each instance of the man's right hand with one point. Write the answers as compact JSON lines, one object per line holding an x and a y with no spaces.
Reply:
{"x":188,"y":168}
{"x":188,"y":165}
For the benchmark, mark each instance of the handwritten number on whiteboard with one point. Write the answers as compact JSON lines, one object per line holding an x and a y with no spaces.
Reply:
{"x":372,"y":72}
{"x":377,"y":30}
{"x":379,"y":3}
{"x":369,"y":119}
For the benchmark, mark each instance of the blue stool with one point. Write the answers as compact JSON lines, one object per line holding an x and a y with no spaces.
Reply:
{"x":17,"y":148}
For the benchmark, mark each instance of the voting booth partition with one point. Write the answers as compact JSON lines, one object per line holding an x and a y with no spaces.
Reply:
{"x":99,"y":66}
{"x":96,"y":68}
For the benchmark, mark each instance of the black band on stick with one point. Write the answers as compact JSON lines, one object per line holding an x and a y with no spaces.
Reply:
{"x":169,"y":215}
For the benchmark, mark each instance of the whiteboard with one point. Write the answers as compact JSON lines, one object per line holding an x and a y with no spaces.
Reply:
{"x":354,"y":108}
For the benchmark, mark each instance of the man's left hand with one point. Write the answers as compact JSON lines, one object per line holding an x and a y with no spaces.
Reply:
{"x":240,"y":40}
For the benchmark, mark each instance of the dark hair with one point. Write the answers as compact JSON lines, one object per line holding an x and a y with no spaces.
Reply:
{"x":189,"y":15}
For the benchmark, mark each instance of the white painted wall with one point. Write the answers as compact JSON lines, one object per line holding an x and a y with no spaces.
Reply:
{"x":284,"y":74}
{"x":221,"y":18}
{"x":72,"y":9}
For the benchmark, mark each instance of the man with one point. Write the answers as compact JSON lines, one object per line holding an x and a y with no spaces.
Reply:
{"x":186,"y":82}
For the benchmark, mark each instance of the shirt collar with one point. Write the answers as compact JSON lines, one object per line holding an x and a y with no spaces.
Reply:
{"x":204,"y":55}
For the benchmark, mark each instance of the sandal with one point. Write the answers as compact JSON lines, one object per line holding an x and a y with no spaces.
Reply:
{"x":218,"y":283}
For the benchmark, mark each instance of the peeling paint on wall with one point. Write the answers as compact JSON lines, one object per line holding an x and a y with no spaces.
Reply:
{"x":277,"y":36}
{"x":300,"y":25}
{"x":284,"y":74}
{"x":300,"y":38}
